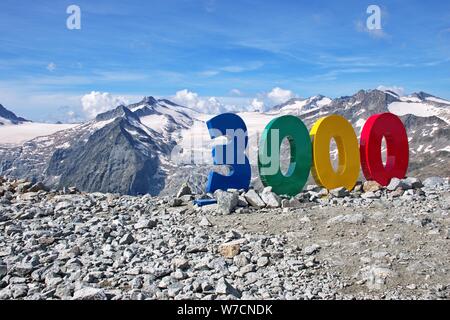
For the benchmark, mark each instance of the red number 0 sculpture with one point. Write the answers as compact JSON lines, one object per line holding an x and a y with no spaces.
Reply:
{"x":390,"y":127}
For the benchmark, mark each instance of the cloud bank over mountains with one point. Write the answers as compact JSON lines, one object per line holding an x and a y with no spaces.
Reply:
{"x":97,"y":102}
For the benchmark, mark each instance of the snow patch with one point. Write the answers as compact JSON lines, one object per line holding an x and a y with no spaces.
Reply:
{"x":18,"y":134}
{"x":419,"y":110}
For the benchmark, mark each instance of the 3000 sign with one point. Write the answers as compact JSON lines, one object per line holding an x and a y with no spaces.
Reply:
{"x":310,"y":152}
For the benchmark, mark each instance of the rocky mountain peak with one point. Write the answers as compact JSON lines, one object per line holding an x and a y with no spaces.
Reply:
{"x":302,"y":104}
{"x":118,"y":112}
{"x":422,"y":95}
{"x":149,"y":100}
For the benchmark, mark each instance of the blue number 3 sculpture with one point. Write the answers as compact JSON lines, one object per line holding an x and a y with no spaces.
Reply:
{"x":233,"y":154}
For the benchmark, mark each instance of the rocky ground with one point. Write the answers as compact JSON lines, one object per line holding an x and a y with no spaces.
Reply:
{"x":372,"y":243}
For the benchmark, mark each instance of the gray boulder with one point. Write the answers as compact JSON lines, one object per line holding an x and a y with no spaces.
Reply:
{"x":254,"y":199}
{"x":271,"y":199}
{"x":226,"y":201}
{"x":397,"y":183}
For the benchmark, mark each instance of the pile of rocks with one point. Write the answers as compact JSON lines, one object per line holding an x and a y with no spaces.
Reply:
{"x":241,"y":201}
{"x":318,"y":245}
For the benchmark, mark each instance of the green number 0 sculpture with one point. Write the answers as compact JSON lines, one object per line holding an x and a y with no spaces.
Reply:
{"x":295,"y":131}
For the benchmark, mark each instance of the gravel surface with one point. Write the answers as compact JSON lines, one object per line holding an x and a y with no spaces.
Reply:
{"x":379,"y":244}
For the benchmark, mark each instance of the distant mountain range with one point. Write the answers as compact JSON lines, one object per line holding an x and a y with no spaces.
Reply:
{"x":128,"y":149}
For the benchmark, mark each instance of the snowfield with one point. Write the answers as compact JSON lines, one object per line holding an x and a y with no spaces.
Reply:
{"x":419,"y":110}
{"x":18,"y":134}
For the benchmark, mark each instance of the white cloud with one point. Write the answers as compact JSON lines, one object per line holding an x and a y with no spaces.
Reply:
{"x":278,"y":95}
{"x":257,"y":105}
{"x":397,"y":90}
{"x":209,"y":105}
{"x":209,"y":73}
{"x":98,"y":102}
{"x":250,"y":66}
{"x":236,"y":92}
{"x":186,"y":98}
{"x":51,"y":67}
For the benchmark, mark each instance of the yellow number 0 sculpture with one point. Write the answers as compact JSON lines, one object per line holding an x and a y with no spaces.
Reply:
{"x":341,"y":130}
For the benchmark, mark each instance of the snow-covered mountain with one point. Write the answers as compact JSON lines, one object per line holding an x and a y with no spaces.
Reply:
{"x":124,"y":150}
{"x":129,"y":149}
{"x":300,"y":106}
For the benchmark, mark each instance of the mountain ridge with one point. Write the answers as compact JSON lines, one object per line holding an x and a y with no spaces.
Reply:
{"x":127,"y":150}
{"x":10,"y":117}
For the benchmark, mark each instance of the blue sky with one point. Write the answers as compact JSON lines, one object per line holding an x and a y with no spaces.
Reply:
{"x":236,"y":51}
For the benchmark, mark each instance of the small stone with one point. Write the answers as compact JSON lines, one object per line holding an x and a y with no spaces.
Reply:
{"x":126,"y":239}
{"x":187,"y":198}
{"x":205,"y":222}
{"x":339,"y":192}
{"x":179,"y":275}
{"x":174,"y":289}
{"x":185,"y":190}
{"x":271,"y":199}
{"x":175,"y":202}
{"x":371,"y":186}
{"x":23,"y":269}
{"x":291,"y":203}
{"x":90,"y":294}
{"x":411,"y":287}
{"x":241,"y":260}
{"x":63,"y":205}
{"x":232,"y":235}
{"x":46,"y":241}
{"x":145,"y":224}
{"x":312,"y":187}
{"x":262,"y":262}
{"x":242,"y":202}
{"x":395,"y":184}
{"x":375,"y":277}
{"x":312,"y":249}
{"x":358,"y":187}
{"x":180,"y":263}
{"x":230,"y":249}
{"x":19,"y":291}
{"x":397,"y":193}
{"x":412,"y":183}
{"x":137,"y":283}
{"x":71,"y":190}
{"x":371,"y":195}
{"x":254,"y":199}
{"x":3,"y":270}
{"x":23,"y":187}
{"x":225,"y":288}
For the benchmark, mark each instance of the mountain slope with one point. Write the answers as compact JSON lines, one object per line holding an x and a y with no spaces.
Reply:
{"x":8,"y":117}
{"x":120,"y":158}
{"x":115,"y":152}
